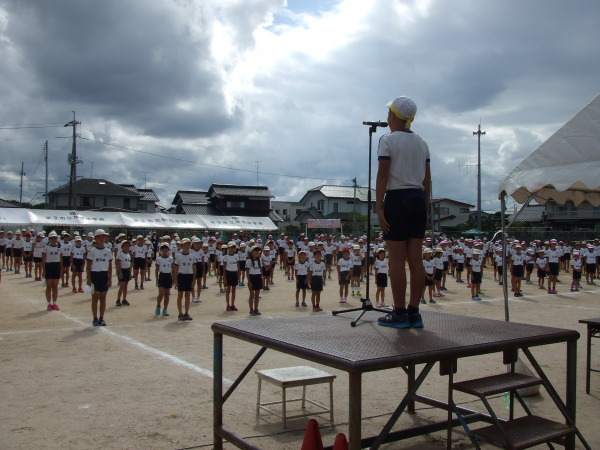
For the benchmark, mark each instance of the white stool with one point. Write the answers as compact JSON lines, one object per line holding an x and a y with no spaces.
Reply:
{"x":288,"y":377}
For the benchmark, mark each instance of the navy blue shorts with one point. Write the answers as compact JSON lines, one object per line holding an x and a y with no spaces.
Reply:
{"x":406,"y":212}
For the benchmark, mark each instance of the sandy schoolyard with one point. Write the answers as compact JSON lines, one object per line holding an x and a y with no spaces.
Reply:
{"x":145,"y":382}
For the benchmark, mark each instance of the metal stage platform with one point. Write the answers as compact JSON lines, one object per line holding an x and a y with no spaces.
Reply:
{"x":331,"y":341}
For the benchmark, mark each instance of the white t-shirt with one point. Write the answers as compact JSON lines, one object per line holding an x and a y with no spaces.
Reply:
{"x":428,"y":265}
{"x":317,"y":269}
{"x":253,"y":266}
{"x":185,"y":263}
{"x":165,"y":265}
{"x":78,"y":252}
{"x":125,"y":259}
{"x":302,"y":268}
{"x":381,"y":265}
{"x":231,"y":262}
{"x":408,"y":154}
{"x":345,"y":265}
{"x":52,"y":253}
{"x":100,"y":258}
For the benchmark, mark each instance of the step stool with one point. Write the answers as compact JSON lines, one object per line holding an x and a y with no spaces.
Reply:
{"x":515,"y":433}
{"x":288,"y":377}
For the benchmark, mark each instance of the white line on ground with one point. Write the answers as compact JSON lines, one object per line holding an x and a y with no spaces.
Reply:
{"x":160,"y":353}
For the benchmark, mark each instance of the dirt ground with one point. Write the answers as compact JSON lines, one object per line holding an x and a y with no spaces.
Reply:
{"x":145,"y":382}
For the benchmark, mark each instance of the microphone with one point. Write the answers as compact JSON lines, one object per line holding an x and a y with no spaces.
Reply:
{"x":379,"y":123}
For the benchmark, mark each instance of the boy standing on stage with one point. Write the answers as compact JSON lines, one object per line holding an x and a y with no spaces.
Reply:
{"x":402,"y":204}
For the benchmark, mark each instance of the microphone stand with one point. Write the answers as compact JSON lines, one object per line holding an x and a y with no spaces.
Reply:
{"x":366,"y":301}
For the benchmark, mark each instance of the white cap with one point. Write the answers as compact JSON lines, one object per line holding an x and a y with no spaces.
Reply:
{"x":403,"y":108}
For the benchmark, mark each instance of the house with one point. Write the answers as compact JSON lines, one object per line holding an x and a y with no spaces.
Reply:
{"x":5,"y":204}
{"x":561,"y":217}
{"x":448,"y":213}
{"x":337,"y":202}
{"x":194,"y":202}
{"x":227,"y":200}
{"x":100,"y":194}
{"x":288,"y":212}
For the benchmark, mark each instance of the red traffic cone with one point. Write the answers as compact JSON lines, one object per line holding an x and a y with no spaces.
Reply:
{"x":341,"y":443}
{"x":312,"y":437}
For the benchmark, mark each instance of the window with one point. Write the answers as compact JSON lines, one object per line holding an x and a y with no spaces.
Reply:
{"x":321,"y":205}
{"x":87,"y":202}
{"x":143,"y":207}
{"x":464,"y":210}
{"x":105,"y":201}
{"x":443,"y":210}
{"x":277,"y":211}
{"x":335,"y":207}
{"x":285,"y":212}
{"x":126,"y":203}
{"x":236,"y":204}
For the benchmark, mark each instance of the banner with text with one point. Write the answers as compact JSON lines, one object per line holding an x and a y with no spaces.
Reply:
{"x":324,"y":223}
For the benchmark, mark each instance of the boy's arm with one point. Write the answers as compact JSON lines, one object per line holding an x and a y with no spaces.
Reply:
{"x":383,"y":174}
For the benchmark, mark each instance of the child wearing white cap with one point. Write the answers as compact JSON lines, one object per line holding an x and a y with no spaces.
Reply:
{"x":51,"y":270}
{"x":184,"y":275}
{"x":576,"y":264}
{"x":301,"y":269}
{"x":254,"y":268}
{"x":231,"y":262}
{"x":78,"y":263}
{"x":99,"y":274}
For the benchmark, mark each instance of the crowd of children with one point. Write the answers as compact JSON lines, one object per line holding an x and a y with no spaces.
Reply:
{"x":185,"y":265}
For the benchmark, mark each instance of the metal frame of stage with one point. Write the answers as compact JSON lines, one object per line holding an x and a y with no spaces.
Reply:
{"x":331,"y":341}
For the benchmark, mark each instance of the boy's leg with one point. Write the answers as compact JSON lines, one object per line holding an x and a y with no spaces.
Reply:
{"x":180,"y":302}
{"x":187,"y":301}
{"x":166,"y":296}
{"x":102,"y":300}
{"x":95,"y":296}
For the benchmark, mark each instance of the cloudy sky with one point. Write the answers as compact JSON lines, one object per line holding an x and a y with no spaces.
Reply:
{"x":180,"y":94}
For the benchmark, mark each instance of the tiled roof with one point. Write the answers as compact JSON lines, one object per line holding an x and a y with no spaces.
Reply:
{"x":148,"y":195}
{"x":312,"y":211}
{"x":225,"y":190}
{"x":456,"y":202}
{"x":345,"y":192}
{"x":532,"y":213}
{"x":275,"y":217}
{"x":190,"y":197}
{"x":96,"y":186}
{"x":196,"y":208}
{"x":5,"y":204}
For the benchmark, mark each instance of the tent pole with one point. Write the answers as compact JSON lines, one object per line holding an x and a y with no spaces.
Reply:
{"x":504,"y":255}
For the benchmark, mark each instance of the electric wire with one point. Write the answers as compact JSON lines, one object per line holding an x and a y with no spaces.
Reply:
{"x":206,"y":164}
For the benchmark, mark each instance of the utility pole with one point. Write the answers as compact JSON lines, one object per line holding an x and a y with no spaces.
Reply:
{"x":479,"y":133}
{"x":354,"y":208}
{"x":257,"y":162}
{"x":21,"y":185}
{"x":46,"y":160}
{"x":73,"y":161}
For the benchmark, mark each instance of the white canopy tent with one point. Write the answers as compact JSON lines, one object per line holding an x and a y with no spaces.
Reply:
{"x":19,"y":217}
{"x":566,"y":167}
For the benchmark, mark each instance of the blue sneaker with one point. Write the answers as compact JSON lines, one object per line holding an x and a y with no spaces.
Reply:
{"x":423,"y":302}
{"x":95,"y":323}
{"x":432,"y":300}
{"x":395,"y":320}
{"x":415,"y":320}
{"x":157,"y":311}
{"x":165,"y":312}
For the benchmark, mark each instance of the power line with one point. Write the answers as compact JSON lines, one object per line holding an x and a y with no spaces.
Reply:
{"x":23,"y":127}
{"x":206,"y":164}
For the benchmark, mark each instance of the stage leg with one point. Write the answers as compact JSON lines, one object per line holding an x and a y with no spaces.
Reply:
{"x":217,"y":391}
{"x":355,"y":408}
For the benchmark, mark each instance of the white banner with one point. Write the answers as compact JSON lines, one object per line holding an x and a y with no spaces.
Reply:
{"x":98,"y":219}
